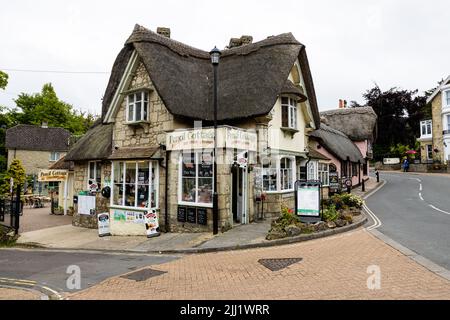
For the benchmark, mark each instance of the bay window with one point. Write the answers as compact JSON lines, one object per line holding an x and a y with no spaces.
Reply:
{"x":137,"y":107}
{"x":279,"y":175}
{"x":135,"y":184}
{"x":94,"y":175}
{"x":323,"y":172}
{"x":447,"y":98}
{"x":196,"y":178}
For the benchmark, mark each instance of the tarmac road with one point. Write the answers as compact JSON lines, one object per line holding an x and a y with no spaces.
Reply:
{"x":49,"y":268}
{"x":414,"y":210}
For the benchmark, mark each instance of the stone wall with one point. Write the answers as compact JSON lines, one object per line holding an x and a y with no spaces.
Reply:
{"x":438,"y":140}
{"x":32,"y":161}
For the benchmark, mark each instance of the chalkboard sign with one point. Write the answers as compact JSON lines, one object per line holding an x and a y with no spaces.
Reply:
{"x":202,"y":216}
{"x":181,"y":216}
{"x":191,"y":215}
{"x":205,"y":170}
{"x":188,"y":170}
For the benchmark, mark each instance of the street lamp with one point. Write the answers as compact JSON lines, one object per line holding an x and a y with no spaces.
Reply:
{"x":215,"y":57}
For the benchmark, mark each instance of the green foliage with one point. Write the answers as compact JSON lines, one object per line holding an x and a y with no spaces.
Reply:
{"x":330,"y":213}
{"x":3,"y":80}
{"x":15,"y":171}
{"x":287,"y":217}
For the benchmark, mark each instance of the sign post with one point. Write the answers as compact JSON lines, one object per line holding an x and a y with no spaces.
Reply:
{"x":308,"y":197}
{"x":103,"y":224}
{"x":152,"y":223}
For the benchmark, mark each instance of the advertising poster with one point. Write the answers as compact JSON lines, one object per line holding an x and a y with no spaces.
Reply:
{"x":152,"y":224}
{"x":103,"y":224}
{"x":308,"y":201}
{"x":334,"y":181}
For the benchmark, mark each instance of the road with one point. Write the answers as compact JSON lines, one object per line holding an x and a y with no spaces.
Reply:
{"x":414,"y":210}
{"x":49,"y":267}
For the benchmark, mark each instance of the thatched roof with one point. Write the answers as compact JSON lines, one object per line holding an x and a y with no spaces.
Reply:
{"x":29,"y":137}
{"x":290,"y":88}
{"x":134,"y":153}
{"x":357,"y":123}
{"x":62,"y":164}
{"x":337,"y":143}
{"x":250,"y":77}
{"x":96,"y":144}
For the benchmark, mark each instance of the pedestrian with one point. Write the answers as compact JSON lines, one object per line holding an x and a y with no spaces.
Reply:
{"x":405,"y":165}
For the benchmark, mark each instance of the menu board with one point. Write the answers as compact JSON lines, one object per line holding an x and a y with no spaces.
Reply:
{"x":202,"y":216}
{"x":181,"y":215}
{"x":334,"y":181}
{"x":205,"y":170}
{"x":191,"y":215}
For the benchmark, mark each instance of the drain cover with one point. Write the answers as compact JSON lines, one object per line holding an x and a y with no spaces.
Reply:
{"x":143,"y":274}
{"x":278,"y":264}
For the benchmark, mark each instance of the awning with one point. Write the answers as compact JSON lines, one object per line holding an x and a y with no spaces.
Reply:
{"x":135,"y":153}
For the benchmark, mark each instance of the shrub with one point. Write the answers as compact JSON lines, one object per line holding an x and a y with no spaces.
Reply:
{"x":345,"y":200}
{"x":330,"y":213}
{"x":287,"y":217}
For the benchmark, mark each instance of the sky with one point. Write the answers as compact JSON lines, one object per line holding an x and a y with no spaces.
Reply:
{"x":351,"y":45}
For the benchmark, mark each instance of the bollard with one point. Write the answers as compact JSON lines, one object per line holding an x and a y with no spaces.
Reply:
{"x":378,"y":176}
{"x":363,"y":189}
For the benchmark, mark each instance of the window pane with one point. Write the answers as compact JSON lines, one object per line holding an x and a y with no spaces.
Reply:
{"x":138,"y":96}
{"x":118,"y":194}
{"x":142,"y":196}
{"x":145,"y":116}
{"x":188,"y":167}
{"x":98,"y":173}
{"x":130,"y":174}
{"x":205,"y":165}
{"x":146,"y":96}
{"x":138,"y":107}
{"x":205,"y":186}
{"x":130,"y":194}
{"x":143,"y":172}
{"x":154,"y":186}
{"x":188,"y":190}
{"x":130,"y":112}
{"x":284,"y":100}
{"x":118,"y":172}
{"x":130,"y":98}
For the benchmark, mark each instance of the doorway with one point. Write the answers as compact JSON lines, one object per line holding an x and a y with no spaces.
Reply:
{"x":239,"y":194}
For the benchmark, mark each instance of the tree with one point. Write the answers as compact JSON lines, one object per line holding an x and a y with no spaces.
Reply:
{"x":3,"y":80}
{"x":15,"y":171}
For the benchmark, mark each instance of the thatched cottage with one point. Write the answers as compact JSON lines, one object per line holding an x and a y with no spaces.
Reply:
{"x":152,"y":147}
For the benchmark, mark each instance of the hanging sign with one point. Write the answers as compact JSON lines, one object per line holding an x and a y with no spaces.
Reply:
{"x":242,"y":159}
{"x":103,"y":224}
{"x":334,"y":181}
{"x":151,"y":223}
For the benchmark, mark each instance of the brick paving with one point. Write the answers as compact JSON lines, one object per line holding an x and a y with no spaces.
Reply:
{"x":331,"y":268}
{"x":17,"y":294}
{"x":40,"y":218}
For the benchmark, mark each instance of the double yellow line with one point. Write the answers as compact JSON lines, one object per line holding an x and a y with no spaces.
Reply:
{"x":30,"y":284}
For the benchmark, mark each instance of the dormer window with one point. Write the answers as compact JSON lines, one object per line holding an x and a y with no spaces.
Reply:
{"x":289,"y":113}
{"x":137,"y":107}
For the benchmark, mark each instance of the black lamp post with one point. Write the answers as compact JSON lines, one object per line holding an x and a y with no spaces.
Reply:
{"x":215,"y":56}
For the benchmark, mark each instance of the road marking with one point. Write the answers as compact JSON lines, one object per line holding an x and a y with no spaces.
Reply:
{"x":420,"y":195}
{"x":420,"y":187}
{"x":437,"y":209}
{"x":30,"y":282}
{"x":377,"y":221}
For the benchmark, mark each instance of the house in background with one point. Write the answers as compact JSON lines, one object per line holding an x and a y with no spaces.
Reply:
{"x":37,"y":148}
{"x":359,"y":125}
{"x":341,"y":156}
{"x":435,"y":133}
{"x":152,"y":147}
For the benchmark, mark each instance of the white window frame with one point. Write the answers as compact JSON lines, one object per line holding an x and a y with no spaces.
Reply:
{"x":94,"y":178}
{"x":424,"y":126}
{"x":290,"y":171}
{"x":311,"y":165}
{"x":446,"y":99}
{"x":144,"y":106}
{"x":447,"y":127}
{"x":292,"y":111}
{"x":55,"y":156}
{"x":279,"y":174}
{"x":323,"y":175}
{"x":196,"y":203}
{"x":429,"y":151}
{"x":152,"y":164}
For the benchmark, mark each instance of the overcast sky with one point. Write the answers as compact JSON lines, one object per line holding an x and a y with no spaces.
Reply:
{"x":350,"y":44}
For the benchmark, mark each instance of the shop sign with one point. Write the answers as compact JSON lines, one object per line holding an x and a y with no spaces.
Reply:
{"x":152,"y":223}
{"x":137,"y":217}
{"x":103,"y":224}
{"x":334,"y":181}
{"x":391,"y":160}
{"x":307,"y":199}
{"x":242,"y":159}
{"x":52,"y":175}
{"x":230,"y":138}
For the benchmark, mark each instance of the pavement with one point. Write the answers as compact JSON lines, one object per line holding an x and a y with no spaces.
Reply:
{"x":18,"y":294}
{"x":40,"y":218}
{"x":414,"y":210}
{"x":71,"y":237}
{"x":344,"y":266}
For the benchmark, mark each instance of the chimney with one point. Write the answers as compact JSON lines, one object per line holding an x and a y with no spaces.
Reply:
{"x":237,"y":42}
{"x":246,"y":39}
{"x":341,"y":104}
{"x":44,"y":125}
{"x":163,"y":31}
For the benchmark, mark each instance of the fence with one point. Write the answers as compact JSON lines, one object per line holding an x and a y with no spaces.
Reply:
{"x":14,"y":208}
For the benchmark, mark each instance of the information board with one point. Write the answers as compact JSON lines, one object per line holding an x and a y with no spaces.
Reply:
{"x":181,"y":215}
{"x":202,"y":216}
{"x":86,"y":205}
{"x":307,"y":199}
{"x":191,"y":215}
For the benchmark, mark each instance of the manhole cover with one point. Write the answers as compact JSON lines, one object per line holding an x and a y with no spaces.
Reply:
{"x":278,"y":264}
{"x":143,"y":274}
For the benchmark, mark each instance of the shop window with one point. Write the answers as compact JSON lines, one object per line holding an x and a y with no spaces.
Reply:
{"x":286,"y":176}
{"x":196,"y":178}
{"x":137,"y":107}
{"x":312,"y":169}
{"x":94,"y":175}
{"x":323,"y":172}
{"x":288,"y":113}
{"x":135,"y":184}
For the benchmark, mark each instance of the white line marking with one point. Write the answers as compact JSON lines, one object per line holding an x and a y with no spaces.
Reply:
{"x":437,"y":209}
{"x":420,"y":196}
{"x":420,"y":187}
{"x":377,"y":221}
